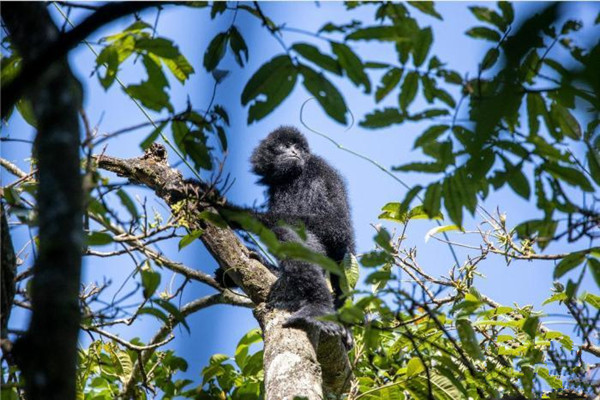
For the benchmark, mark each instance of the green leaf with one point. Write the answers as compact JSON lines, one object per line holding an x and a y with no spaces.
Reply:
{"x":507,"y":11}
{"x":569,"y":175}
{"x":440,"y":229}
{"x":128,"y":204}
{"x":414,"y":367}
{"x":593,"y":161}
{"x":466,"y":333}
{"x":314,"y":55}
{"x":555,"y":382}
{"x":531,"y":326}
{"x":388,"y":82}
{"x":109,"y":58}
{"x":98,"y":239}
{"x":481,"y":32}
{"x":490,"y":58}
{"x":151,"y":138}
{"x":591,"y":299}
{"x":351,"y":271}
{"x":326,"y":94}
{"x":594,"y":267}
{"x":238,"y":46}
{"x":566,"y":121}
{"x":189,"y":238}
{"x":198,"y":152}
{"x":379,"y":33}
{"x":452,"y":201}
{"x":433,"y":167}
{"x":426,"y":7}
{"x":156,"y":313}
{"x":174,"y":311}
{"x":275,"y":80}
{"x":490,"y":16}
{"x":241,"y":351}
{"x":535,"y":108}
{"x":150,"y":96}
{"x":382,"y":118}
{"x":179,"y":67}
{"x":160,"y":47}
{"x":150,"y":281}
{"x":568,"y":263}
{"x":26,"y":110}
{"x":421,"y":46}
{"x":409,"y":89}
{"x":432,"y":200}
{"x":215,"y":51}
{"x":353,"y":66}
{"x":430,"y":135}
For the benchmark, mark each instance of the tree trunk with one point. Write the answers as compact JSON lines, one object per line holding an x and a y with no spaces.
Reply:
{"x":47,"y":353}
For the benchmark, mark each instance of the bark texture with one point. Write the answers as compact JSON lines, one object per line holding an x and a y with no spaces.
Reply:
{"x":7,"y":277}
{"x":296,"y":362}
{"x":47,"y":353}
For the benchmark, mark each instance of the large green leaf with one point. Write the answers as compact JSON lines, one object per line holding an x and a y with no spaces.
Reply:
{"x":421,"y":46}
{"x":326,"y":94}
{"x":275,"y":80}
{"x":352,"y":65}
{"x":314,"y":55}
{"x":215,"y":51}
{"x":408,"y":92}
{"x":388,"y":82}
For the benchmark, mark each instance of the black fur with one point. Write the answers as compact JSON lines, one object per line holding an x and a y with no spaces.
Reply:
{"x":304,"y":188}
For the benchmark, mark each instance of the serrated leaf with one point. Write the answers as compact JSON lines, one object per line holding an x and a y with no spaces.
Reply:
{"x":314,"y":55}
{"x":380,"y":33}
{"x":428,"y":167}
{"x":215,"y":51}
{"x":421,"y":46}
{"x":432,"y":199}
{"x":274,"y":79}
{"x":326,"y":94}
{"x":150,"y":96}
{"x":430,"y":135}
{"x":179,"y":67}
{"x":452,"y":201}
{"x":427,"y":7}
{"x":409,"y":89}
{"x":109,"y":58}
{"x":160,"y":47}
{"x":487,"y":15}
{"x":568,"y":263}
{"x":352,"y":65}
{"x":388,"y":82}
{"x":382,"y":118}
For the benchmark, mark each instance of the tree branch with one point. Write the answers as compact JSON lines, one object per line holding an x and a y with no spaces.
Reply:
{"x":297,"y":362}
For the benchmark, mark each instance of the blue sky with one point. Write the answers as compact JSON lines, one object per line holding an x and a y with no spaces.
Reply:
{"x":217,"y":330}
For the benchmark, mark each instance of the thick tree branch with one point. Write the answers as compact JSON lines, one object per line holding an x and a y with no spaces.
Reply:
{"x":57,"y":47}
{"x":47,"y":353}
{"x":7,"y":273}
{"x":294,"y":358}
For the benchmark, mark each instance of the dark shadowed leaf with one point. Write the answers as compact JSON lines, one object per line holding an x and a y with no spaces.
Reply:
{"x":421,"y":46}
{"x":160,"y":47}
{"x":326,"y":94}
{"x":467,"y":336}
{"x":409,"y":89}
{"x":352,"y":65}
{"x":215,"y":51}
{"x":275,"y":80}
{"x":382,"y":118}
{"x":481,"y":32}
{"x":150,"y":282}
{"x":314,"y":55}
{"x":388,"y":82}
{"x":427,"y":7}
{"x":238,"y":46}
{"x":568,"y":263}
